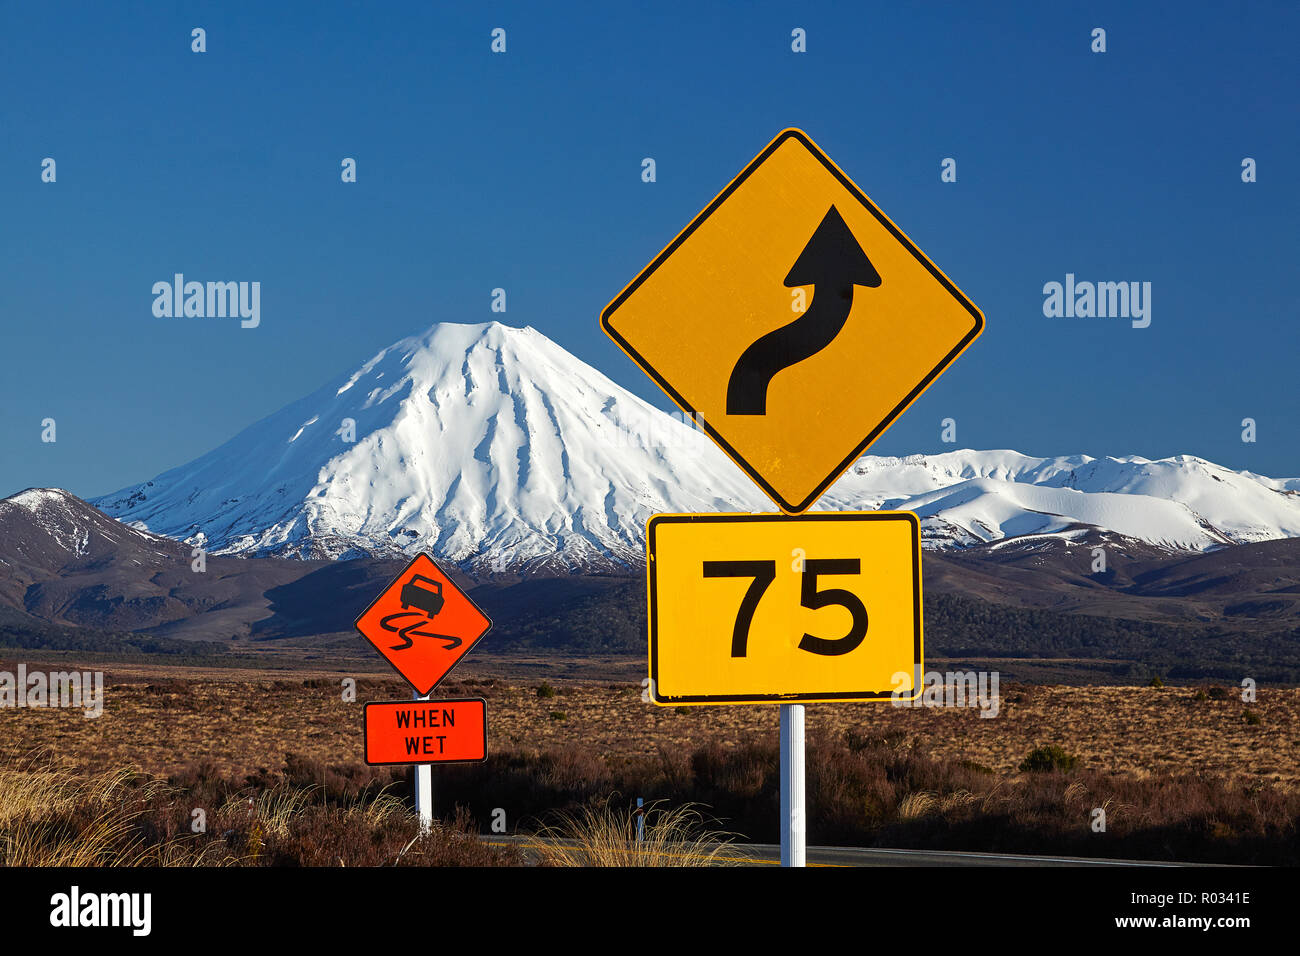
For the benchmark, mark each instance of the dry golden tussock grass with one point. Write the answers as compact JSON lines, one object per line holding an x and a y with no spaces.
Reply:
{"x":272,"y":810}
{"x":924,"y":803}
{"x":50,"y":816}
{"x":604,"y":836}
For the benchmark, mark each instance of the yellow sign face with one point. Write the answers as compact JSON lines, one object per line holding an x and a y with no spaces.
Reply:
{"x":762,"y":608}
{"x":794,"y":320}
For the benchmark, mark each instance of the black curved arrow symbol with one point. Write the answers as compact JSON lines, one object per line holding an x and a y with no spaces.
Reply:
{"x":409,"y":631}
{"x":834,"y":263}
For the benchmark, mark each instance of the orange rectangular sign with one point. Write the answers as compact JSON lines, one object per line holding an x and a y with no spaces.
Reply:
{"x":426,"y":731}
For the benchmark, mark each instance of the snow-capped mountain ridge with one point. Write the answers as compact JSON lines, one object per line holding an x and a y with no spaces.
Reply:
{"x":1180,"y":503}
{"x":495,"y":448}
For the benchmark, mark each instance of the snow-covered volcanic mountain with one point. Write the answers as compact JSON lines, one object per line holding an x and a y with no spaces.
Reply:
{"x":488,"y":445}
{"x":495,"y":448}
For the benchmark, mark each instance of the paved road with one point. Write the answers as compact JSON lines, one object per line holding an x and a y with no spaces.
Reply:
{"x":857,"y":856}
{"x":766,"y":854}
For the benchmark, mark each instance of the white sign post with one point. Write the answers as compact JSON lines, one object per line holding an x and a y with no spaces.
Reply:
{"x":793,"y":849}
{"x":424,"y":788}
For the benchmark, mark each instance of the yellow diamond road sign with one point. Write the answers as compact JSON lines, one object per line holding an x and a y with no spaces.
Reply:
{"x":794,"y":320}
{"x":768,"y":608}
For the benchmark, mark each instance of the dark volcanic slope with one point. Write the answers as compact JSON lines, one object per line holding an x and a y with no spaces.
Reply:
{"x":1268,"y":571}
{"x":1249,"y":585}
{"x":67,"y":564}
{"x":64,"y":562}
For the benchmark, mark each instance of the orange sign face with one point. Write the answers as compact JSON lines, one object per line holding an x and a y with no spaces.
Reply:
{"x":426,"y":731}
{"x":423,"y":624}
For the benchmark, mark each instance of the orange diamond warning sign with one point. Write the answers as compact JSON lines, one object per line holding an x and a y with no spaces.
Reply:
{"x":423,"y":624}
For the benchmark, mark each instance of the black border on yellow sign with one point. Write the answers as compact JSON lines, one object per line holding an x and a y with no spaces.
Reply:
{"x":918,"y":664}
{"x":800,"y":506}
{"x":365,"y":730}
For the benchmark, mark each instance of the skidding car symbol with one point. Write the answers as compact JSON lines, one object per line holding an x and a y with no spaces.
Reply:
{"x":427,"y":598}
{"x":425,"y":595}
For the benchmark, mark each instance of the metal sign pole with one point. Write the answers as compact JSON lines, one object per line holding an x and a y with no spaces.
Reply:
{"x":792,"y":789}
{"x":424,"y":788}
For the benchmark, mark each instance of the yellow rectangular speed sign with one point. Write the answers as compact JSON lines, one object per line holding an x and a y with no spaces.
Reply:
{"x":761,"y":608}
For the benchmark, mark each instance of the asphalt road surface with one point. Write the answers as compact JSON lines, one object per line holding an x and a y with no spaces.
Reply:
{"x":767,"y":854}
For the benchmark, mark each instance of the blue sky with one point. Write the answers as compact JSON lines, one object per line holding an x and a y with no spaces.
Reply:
{"x":522,"y":171}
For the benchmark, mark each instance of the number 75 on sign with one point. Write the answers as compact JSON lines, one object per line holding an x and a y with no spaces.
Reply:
{"x":763,"y":608}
